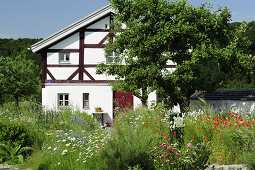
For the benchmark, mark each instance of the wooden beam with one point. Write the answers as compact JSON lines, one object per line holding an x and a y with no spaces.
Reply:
{"x":81,"y":54}
{"x":64,"y":50}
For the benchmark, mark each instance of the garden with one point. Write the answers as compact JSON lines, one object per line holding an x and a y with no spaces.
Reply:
{"x":140,"y":139}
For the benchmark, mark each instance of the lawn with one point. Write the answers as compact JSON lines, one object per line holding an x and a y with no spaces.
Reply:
{"x":141,"y":139}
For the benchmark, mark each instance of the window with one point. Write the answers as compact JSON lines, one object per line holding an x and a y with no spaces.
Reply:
{"x":110,"y":58}
{"x":86,"y":100}
{"x":63,"y":100}
{"x":64,"y":57}
{"x":106,"y":26}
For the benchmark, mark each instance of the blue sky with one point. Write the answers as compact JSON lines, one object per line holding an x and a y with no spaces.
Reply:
{"x":41,"y":18}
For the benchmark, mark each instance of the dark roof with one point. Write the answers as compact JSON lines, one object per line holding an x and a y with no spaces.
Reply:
{"x":225,"y":95}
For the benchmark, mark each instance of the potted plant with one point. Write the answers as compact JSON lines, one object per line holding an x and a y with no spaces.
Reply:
{"x":108,"y":123}
{"x":98,"y":109}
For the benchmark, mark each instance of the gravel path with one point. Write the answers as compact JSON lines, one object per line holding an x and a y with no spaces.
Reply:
{"x":9,"y":167}
{"x":226,"y":167}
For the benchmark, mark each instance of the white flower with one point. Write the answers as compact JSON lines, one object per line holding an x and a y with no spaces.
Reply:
{"x":63,"y":140}
{"x":49,"y":147}
{"x":64,"y":152}
{"x":68,"y":144}
{"x":55,"y":149}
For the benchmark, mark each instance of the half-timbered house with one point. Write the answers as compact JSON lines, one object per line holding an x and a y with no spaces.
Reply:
{"x":70,"y":57}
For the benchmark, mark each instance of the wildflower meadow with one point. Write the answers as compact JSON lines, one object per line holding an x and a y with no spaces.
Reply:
{"x":138,"y":139}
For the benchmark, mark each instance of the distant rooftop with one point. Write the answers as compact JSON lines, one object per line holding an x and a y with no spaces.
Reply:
{"x":226,"y":95}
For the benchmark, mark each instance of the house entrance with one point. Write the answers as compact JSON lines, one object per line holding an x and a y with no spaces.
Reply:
{"x":123,"y":100}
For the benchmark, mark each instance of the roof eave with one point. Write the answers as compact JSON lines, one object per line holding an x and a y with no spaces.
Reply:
{"x":71,"y":28}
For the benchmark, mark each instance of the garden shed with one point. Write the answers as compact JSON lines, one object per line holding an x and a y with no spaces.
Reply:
{"x":241,"y":101}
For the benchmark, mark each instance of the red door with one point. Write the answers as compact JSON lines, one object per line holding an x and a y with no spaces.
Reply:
{"x":123,"y":100}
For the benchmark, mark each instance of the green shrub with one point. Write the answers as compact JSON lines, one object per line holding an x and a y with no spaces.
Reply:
{"x":16,"y":133}
{"x":135,"y":133}
{"x":12,"y":154}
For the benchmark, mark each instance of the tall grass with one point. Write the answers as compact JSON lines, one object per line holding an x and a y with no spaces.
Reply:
{"x":142,"y":138}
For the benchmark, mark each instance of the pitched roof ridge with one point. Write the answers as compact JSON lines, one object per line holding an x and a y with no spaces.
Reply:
{"x":69,"y":27}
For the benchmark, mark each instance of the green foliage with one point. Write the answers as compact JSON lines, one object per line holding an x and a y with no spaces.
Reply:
{"x":137,"y":167}
{"x":11,"y":47}
{"x":135,"y":133}
{"x":200,"y":41}
{"x":192,"y":157}
{"x":14,"y":53}
{"x":230,"y":135}
{"x":11,"y":154}
{"x":16,"y":133}
{"x":197,"y":156}
{"x":18,"y":77}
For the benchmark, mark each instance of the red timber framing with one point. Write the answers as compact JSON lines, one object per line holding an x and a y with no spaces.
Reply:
{"x":81,"y":68}
{"x":81,"y":54}
{"x":44,"y":67}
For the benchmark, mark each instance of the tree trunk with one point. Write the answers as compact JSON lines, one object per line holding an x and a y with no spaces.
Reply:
{"x":184,"y":105}
{"x":16,"y":101}
{"x":144,"y":97}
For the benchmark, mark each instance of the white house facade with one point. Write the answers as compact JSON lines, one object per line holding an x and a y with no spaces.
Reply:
{"x":70,"y":57}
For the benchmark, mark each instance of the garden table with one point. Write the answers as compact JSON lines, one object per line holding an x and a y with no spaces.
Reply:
{"x":99,"y":116}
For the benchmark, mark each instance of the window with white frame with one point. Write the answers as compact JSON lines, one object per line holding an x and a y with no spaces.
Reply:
{"x":112,"y":57}
{"x":63,"y":99}
{"x":64,"y":57}
{"x":85,"y":100}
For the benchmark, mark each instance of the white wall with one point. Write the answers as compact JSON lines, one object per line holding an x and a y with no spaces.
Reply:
{"x":237,"y":106}
{"x":151,"y":98}
{"x":99,"y":95}
{"x":53,"y":58}
{"x":61,"y":73}
{"x":100,"y":24}
{"x":71,"y":42}
{"x":94,"y":55}
{"x":94,"y":37}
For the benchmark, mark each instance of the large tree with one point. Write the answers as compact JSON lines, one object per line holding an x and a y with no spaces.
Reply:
{"x":18,"y":77}
{"x":200,"y":41}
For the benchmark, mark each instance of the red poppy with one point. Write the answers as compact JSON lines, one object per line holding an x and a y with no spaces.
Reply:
{"x":164,"y":114}
{"x":167,"y":137}
{"x":156,"y":129}
{"x":164,"y":134}
{"x":138,"y":140}
{"x":193,"y":137}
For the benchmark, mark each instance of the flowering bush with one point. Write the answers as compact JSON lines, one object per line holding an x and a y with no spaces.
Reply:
{"x":229,"y":135}
{"x":169,"y":157}
{"x":108,"y":123}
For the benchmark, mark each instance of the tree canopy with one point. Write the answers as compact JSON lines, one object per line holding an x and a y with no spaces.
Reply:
{"x":18,"y":77}
{"x":201,"y":42}
{"x":19,"y":69}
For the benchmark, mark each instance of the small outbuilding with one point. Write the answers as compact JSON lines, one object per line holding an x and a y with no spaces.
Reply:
{"x":241,"y":101}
